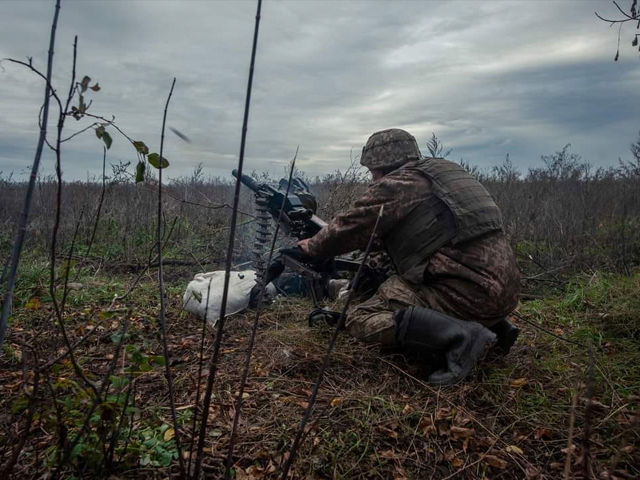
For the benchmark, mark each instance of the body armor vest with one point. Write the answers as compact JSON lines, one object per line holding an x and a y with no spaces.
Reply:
{"x":459,"y":209}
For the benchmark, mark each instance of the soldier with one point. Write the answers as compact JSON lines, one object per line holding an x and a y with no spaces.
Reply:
{"x":457,"y":277}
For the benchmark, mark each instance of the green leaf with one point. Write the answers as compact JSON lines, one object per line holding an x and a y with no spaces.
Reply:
{"x":100,"y":131}
{"x":81,"y":106}
{"x":154,"y":159}
{"x":140,"y":171}
{"x":119,"y":382}
{"x":145,"y":367}
{"x":165,"y":459}
{"x":76,"y":451}
{"x":108,"y":314}
{"x":106,"y":138}
{"x":141,"y":147}
{"x":197,"y":295}
{"x":117,"y":337}
{"x":159,"y":359}
{"x":85,"y":83}
{"x":95,"y":88}
{"x":152,"y":442}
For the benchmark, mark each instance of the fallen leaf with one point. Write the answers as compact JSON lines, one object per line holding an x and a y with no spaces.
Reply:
{"x":532,"y":473}
{"x":335,"y":402}
{"x":408,"y":409}
{"x":255,"y":472}
{"x":543,"y":434}
{"x":399,"y":474}
{"x":495,"y":462}
{"x":388,"y":432}
{"x":514,"y":449}
{"x":457,"y":462}
{"x":461,"y":432}
{"x":628,"y":449}
{"x":305,"y":392}
{"x":390,"y":454}
{"x":518,"y":382}
{"x":449,"y":454}
{"x":427,"y":426}
{"x":169,"y":434}
{"x":33,"y":304}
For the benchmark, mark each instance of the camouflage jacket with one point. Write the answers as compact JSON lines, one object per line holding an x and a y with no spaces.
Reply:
{"x":399,"y":191}
{"x":481,"y":270}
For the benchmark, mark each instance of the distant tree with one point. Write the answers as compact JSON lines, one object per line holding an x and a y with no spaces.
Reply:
{"x":507,"y":172}
{"x":632,"y":16}
{"x":632,"y":168}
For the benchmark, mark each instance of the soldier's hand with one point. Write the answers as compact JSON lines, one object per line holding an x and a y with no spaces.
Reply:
{"x":304,"y":246}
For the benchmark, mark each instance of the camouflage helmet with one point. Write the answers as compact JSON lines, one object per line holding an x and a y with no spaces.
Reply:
{"x":389,"y":148}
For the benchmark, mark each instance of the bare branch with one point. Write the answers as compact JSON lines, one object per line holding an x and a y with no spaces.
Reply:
{"x":234,"y":216}
{"x":16,"y":250}
{"x":163,"y":320}
{"x":325,"y":363}
{"x":247,"y":363}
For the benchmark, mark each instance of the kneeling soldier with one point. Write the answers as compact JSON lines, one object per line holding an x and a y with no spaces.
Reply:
{"x":457,"y":277}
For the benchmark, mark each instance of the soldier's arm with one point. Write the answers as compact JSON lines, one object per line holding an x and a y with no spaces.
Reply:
{"x":399,"y":192}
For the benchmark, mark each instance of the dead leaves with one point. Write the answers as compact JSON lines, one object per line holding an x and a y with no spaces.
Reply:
{"x":494,"y":462}
{"x":518,"y":382}
{"x":459,"y":433}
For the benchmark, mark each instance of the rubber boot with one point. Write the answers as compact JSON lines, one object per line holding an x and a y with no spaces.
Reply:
{"x":507,"y":334}
{"x":457,"y":344}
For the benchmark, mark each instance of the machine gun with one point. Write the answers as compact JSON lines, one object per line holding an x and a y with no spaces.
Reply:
{"x":298,"y":220}
{"x":298,"y":217}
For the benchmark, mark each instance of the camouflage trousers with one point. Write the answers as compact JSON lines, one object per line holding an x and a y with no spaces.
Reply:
{"x":372,"y":320}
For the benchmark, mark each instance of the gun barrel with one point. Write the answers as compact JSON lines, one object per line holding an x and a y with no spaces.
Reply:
{"x":247,"y":180}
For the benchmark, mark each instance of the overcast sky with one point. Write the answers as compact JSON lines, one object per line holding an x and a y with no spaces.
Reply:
{"x":489,"y":78}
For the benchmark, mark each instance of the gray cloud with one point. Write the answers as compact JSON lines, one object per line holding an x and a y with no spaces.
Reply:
{"x":489,"y":78}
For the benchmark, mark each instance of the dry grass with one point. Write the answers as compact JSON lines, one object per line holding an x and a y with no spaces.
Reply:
{"x":376,"y":417}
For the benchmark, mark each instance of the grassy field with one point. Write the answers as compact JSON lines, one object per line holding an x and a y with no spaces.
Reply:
{"x":376,"y":417}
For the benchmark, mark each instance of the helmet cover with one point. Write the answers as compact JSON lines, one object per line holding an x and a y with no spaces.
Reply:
{"x":389,"y":148}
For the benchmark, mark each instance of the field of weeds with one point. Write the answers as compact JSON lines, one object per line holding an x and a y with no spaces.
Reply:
{"x":86,"y":382}
{"x":551,"y":406}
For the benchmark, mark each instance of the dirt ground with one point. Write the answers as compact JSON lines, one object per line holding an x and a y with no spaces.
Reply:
{"x":531,"y":414}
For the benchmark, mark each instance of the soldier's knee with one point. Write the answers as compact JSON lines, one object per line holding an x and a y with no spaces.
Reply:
{"x":376,"y":328}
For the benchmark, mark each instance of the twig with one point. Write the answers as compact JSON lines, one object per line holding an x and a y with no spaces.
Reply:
{"x":234,"y":216}
{"x":586,"y":458}
{"x":108,"y":459}
{"x":325,"y":363}
{"x":6,"y":472}
{"x":78,"y":132}
{"x":58,"y":308}
{"x":572,"y":421}
{"x":104,"y":385}
{"x":163,"y":320}
{"x":247,"y":364}
{"x":97,"y":216}
{"x":16,"y":250}
{"x":549,"y":332}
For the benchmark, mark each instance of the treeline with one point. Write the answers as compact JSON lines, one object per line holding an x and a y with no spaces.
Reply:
{"x":562,"y":213}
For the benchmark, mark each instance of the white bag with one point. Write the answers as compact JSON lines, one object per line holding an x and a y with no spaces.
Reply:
{"x":240,"y":285}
